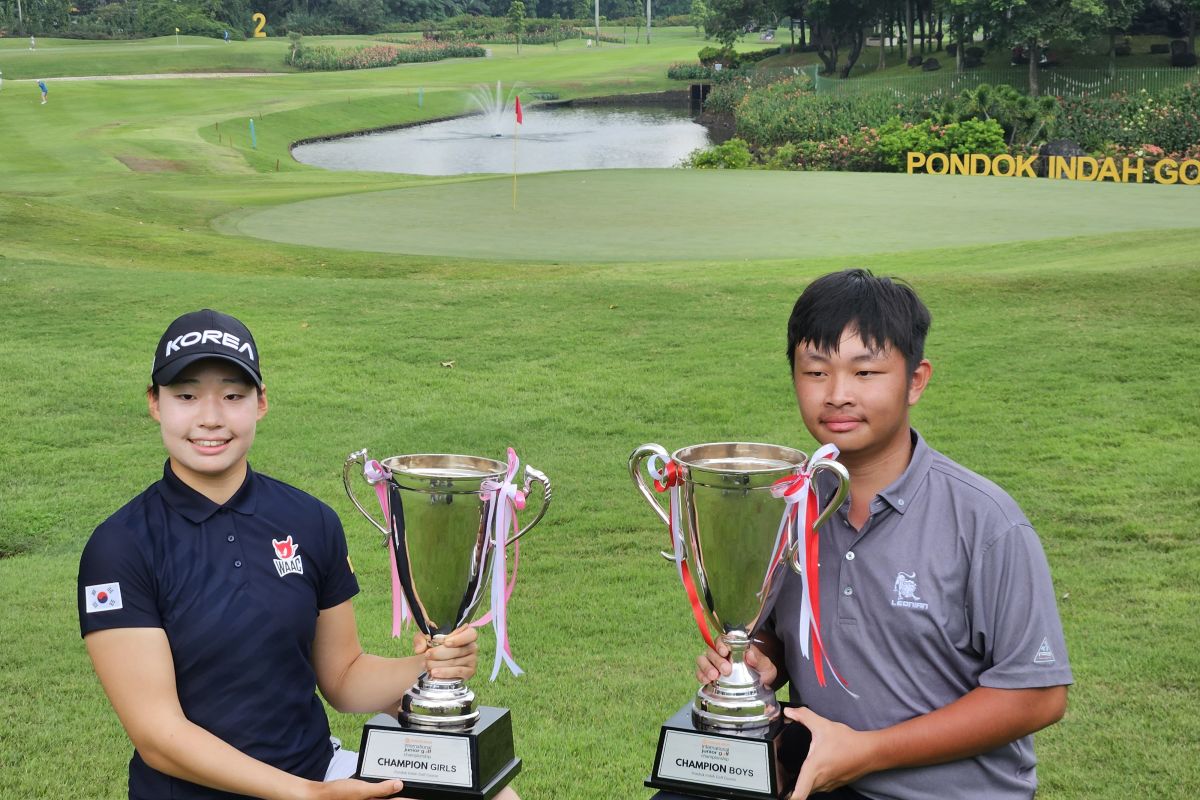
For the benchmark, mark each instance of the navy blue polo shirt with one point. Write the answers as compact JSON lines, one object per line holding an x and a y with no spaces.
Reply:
{"x":237,"y":589}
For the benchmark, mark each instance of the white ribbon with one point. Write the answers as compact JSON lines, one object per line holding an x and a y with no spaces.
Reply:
{"x":506,"y":500}
{"x":658,"y":471}
{"x":795,"y":493}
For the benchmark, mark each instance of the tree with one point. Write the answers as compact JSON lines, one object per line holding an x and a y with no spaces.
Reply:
{"x":908,"y":30}
{"x":965,"y":16}
{"x":297,"y":47}
{"x":516,"y":21}
{"x":728,"y":18}
{"x":1187,"y":12}
{"x":836,"y":23}
{"x":1118,"y":16}
{"x":1037,"y":22}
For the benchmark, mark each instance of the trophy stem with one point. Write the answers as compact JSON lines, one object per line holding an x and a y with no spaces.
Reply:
{"x":737,"y":701}
{"x":435,"y":703}
{"x":438,"y":703}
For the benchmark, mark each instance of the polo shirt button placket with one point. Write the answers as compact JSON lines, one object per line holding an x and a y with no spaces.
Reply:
{"x":232,"y":538}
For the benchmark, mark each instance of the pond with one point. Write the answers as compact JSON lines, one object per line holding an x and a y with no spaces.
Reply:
{"x":549,"y":139}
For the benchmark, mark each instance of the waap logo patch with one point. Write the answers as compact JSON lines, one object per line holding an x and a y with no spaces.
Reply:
{"x":287,"y":557}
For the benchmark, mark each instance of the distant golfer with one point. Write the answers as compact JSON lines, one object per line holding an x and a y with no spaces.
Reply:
{"x":32,"y":43}
{"x":45,"y":91}
{"x":227,"y":36}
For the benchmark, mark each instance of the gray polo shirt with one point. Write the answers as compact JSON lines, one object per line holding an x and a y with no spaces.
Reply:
{"x":945,"y":588}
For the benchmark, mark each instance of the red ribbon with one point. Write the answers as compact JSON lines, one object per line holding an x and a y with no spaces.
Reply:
{"x":669,"y":482}
{"x":809,"y":540}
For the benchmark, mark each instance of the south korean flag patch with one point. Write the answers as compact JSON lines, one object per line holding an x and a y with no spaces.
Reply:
{"x":102,"y":597}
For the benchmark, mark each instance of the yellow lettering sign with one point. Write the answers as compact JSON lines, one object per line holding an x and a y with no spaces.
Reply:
{"x":1189,"y":172}
{"x":1075,"y":168}
{"x":1165,"y":171}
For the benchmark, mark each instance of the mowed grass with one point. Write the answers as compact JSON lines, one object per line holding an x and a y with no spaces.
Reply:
{"x":56,"y":58}
{"x":1063,"y":370}
{"x":667,"y":215}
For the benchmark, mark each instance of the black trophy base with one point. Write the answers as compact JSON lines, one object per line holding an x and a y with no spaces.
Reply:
{"x":725,"y":765}
{"x":470,"y":764}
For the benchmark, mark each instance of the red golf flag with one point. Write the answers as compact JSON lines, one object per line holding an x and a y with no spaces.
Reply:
{"x":520,"y":116}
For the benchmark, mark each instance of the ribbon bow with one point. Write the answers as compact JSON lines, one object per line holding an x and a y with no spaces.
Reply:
{"x":800,"y":515}
{"x":506,"y":499}
{"x":666,"y":478}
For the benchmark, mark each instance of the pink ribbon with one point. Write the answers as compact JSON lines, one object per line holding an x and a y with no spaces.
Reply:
{"x":377,"y":475}
{"x":800,"y":513}
{"x":506,"y":500}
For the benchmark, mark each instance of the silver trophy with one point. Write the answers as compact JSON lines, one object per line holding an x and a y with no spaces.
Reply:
{"x":440,"y":508}
{"x":730,"y":526}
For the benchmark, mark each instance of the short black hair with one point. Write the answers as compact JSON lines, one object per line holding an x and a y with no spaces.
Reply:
{"x":885,"y":311}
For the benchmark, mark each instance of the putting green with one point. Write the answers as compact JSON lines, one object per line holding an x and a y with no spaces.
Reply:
{"x":679,"y":215}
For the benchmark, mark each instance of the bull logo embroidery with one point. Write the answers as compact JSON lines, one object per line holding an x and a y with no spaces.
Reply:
{"x":288,"y":560}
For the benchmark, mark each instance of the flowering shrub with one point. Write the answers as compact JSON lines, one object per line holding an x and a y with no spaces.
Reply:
{"x":699,"y":72}
{"x":733,"y":154}
{"x":323,"y":57}
{"x":1151,"y":154}
{"x":1169,"y":119}
{"x":897,"y":139}
{"x":785,"y":125}
{"x":856,"y":152}
{"x":975,"y":136}
{"x":731,"y":85}
{"x":788,"y":111}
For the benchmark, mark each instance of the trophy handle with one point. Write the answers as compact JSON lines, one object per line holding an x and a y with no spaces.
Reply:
{"x":636,"y":459}
{"x":359,"y":457}
{"x":828,"y":464}
{"x":795,"y":553}
{"x":532,"y":475}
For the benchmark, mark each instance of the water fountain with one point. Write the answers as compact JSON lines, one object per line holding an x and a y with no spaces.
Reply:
{"x":491,"y":107}
{"x":482,"y":141}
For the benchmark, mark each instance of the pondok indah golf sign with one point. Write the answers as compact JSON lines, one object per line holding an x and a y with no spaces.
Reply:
{"x":1076,"y":168}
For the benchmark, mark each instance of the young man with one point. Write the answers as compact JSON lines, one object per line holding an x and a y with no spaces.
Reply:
{"x":42,"y":88}
{"x":936,"y":605}
{"x":216,"y":602}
